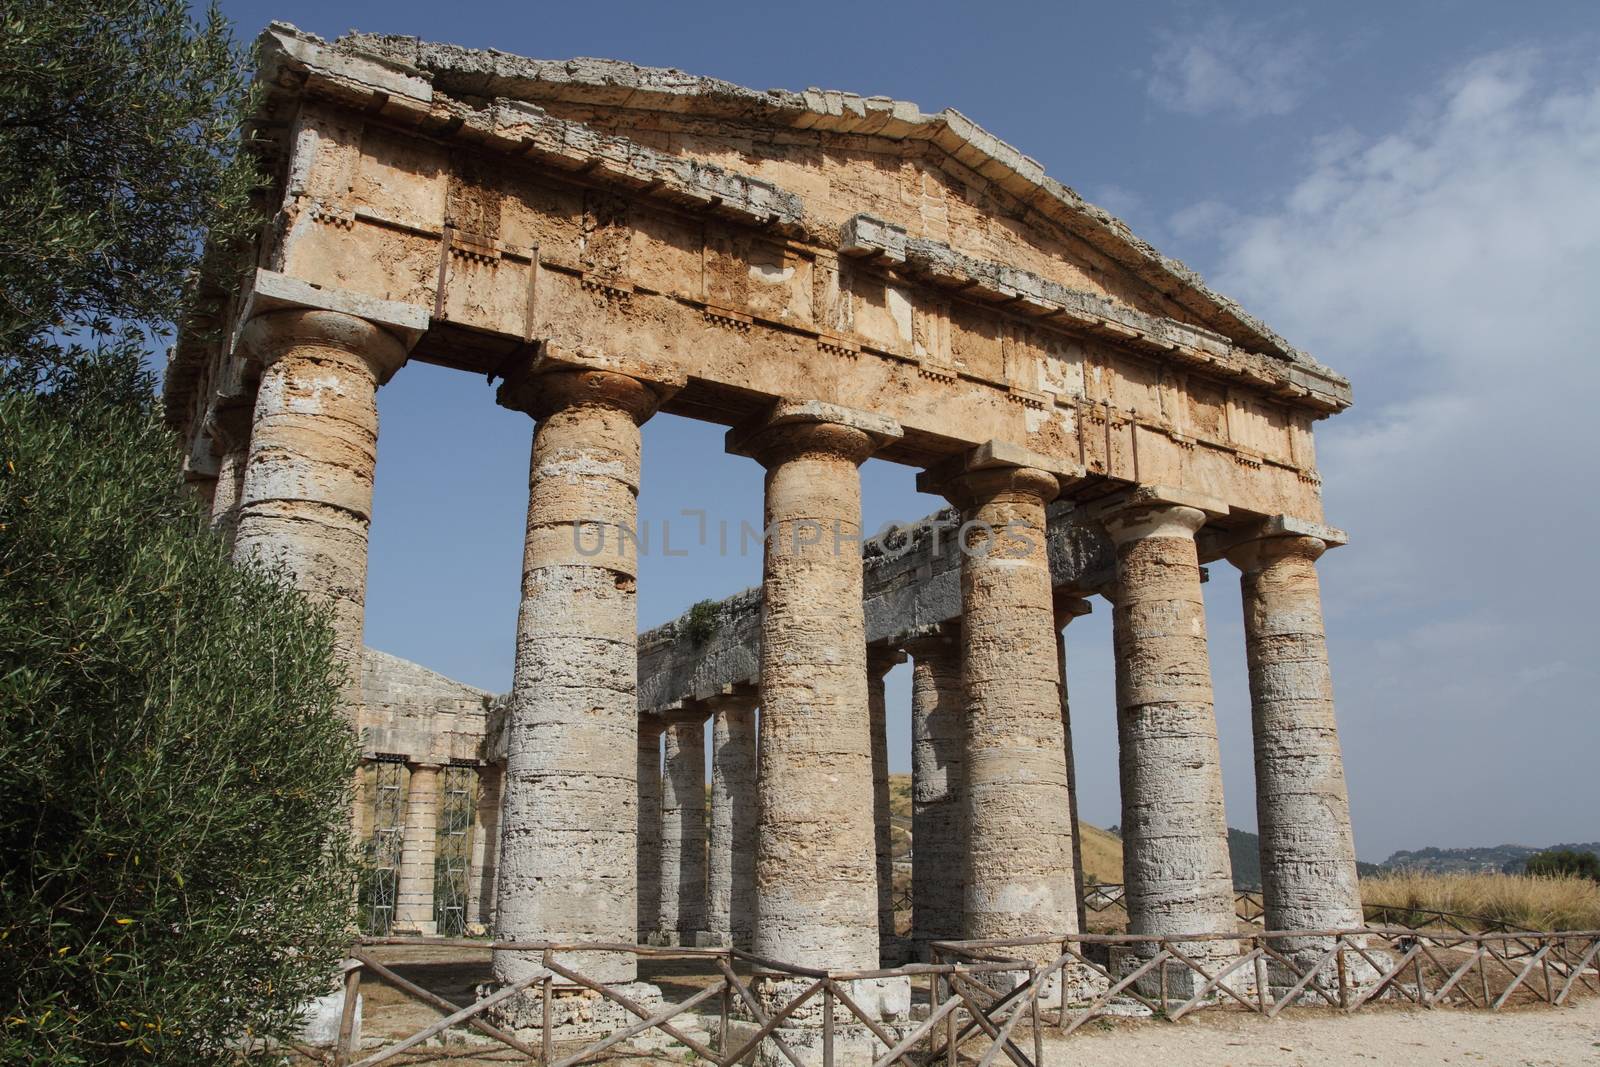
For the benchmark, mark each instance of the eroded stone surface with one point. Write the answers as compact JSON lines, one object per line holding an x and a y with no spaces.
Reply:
{"x":938,"y":779}
{"x":731,"y":904}
{"x":1176,"y":867}
{"x":683,"y":827}
{"x":1308,"y":862}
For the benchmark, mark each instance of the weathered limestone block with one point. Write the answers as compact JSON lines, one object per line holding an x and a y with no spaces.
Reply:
{"x":1019,"y":879}
{"x":879,"y":662}
{"x":414,"y":896}
{"x":1308,"y":860}
{"x":816,"y":871}
{"x":570,"y":832}
{"x":1069,"y":608}
{"x":648,"y":894}
{"x":683,"y":827}
{"x":307,"y":496}
{"x":938,"y":777}
{"x":1174,"y":832}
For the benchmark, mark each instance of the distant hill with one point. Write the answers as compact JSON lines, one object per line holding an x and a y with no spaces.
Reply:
{"x":1511,"y":859}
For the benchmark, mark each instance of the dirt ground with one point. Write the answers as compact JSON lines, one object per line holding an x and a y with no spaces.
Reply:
{"x":1529,"y":1037}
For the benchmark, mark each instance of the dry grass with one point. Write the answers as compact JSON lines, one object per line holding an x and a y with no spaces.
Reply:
{"x":1518,"y":899}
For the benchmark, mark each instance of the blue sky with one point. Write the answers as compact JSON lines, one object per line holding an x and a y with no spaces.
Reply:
{"x":1409,"y":191}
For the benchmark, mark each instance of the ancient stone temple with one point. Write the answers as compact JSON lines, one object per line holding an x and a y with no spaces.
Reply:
{"x":832,"y":278}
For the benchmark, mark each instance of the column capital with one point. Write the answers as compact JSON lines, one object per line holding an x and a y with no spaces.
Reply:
{"x":1069,"y":606}
{"x":1226,"y":543}
{"x":689,"y":713}
{"x":881,"y":659}
{"x":997,"y":467}
{"x":939,"y":639}
{"x":543,"y":394}
{"x":793,"y":427}
{"x":272,"y":333}
{"x":1254,"y":556}
{"x":738,"y":697}
{"x":1157,"y":511}
{"x":228,"y":419}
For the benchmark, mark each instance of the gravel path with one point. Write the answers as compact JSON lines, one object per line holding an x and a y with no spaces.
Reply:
{"x":1532,"y":1037}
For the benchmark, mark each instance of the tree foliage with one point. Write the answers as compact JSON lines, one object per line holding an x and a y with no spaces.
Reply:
{"x":174,"y":771}
{"x":1565,"y":861}
{"x":119,"y":152}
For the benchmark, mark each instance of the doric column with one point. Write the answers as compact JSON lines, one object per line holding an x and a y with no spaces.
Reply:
{"x":569,"y":836}
{"x":1174,"y":832}
{"x":1019,"y":879}
{"x":414,"y":894}
{"x":816,"y":875}
{"x":485,"y":846}
{"x":683,"y":826}
{"x":648,"y":895}
{"x":1308,"y":859}
{"x":229,"y":426}
{"x":938,"y":816}
{"x":732,"y":862}
{"x":1067,"y":609}
{"x":880,"y":661}
{"x":307,"y":496}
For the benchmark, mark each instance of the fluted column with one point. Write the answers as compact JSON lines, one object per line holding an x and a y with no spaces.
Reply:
{"x":1019,"y":879}
{"x":816,"y":873}
{"x":229,"y":426}
{"x":683,"y":826}
{"x":880,"y":661}
{"x":938,"y":776}
{"x":1308,"y":860}
{"x":414,"y":894}
{"x":732,"y":861}
{"x":307,"y":495}
{"x":649,"y":821}
{"x":1174,"y":832}
{"x":1067,"y":609}
{"x":569,"y":836}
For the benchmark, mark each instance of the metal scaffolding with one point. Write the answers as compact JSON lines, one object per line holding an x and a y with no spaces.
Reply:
{"x":453,"y":854}
{"x":380,"y":886}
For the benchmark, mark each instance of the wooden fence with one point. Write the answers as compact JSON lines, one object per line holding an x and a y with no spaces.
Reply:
{"x":980,"y":997}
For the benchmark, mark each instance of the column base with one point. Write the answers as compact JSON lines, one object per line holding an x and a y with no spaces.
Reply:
{"x":580,"y":1015}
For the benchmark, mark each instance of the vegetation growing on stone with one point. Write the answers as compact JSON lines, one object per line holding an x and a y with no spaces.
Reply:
{"x":700,"y":622}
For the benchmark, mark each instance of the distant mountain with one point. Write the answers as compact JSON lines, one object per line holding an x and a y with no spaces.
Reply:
{"x":1509,"y":858}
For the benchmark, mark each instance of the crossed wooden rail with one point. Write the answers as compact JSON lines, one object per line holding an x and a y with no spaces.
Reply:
{"x":982,"y":991}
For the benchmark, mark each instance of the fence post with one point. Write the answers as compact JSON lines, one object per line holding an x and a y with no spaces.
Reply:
{"x":347,"y":1013}
{"x":1263,"y":993}
{"x":545,"y":1041}
{"x":827,"y":1024}
{"x":1344,"y":977}
{"x":722,"y":1025}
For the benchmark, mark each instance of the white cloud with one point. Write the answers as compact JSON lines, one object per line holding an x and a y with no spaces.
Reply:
{"x":1225,"y":66}
{"x":1451,"y":268}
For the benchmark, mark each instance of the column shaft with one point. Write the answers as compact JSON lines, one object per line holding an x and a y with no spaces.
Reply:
{"x":307,"y":494}
{"x":649,"y":844}
{"x":229,"y":425}
{"x":485,"y":846}
{"x":879,"y":663}
{"x":1174,"y":831}
{"x":683,"y":830}
{"x":1020,"y":875}
{"x":732,"y":860}
{"x":1308,"y":861}
{"x":938,"y":776}
{"x":569,"y":835}
{"x":817,"y":884}
{"x":414,"y":894}
{"x":1063,"y":617}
